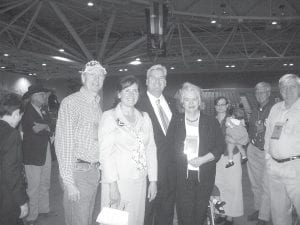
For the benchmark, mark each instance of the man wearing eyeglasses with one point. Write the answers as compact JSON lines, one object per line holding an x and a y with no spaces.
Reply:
{"x":76,"y":144}
{"x":256,"y":154}
{"x":282,"y":145}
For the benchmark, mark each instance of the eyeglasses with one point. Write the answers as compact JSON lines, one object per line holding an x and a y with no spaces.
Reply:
{"x":219,"y":105}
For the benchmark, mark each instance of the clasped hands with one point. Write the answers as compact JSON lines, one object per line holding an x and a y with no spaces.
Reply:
{"x":196,"y":162}
{"x":38,"y":127}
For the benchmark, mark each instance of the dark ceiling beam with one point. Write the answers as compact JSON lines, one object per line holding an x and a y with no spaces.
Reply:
{"x":190,"y":5}
{"x":293,"y":7}
{"x":199,"y":42}
{"x":70,"y":28}
{"x":233,"y":8}
{"x":33,"y":18}
{"x":58,"y":41}
{"x":254,"y":4}
{"x":76,"y":12}
{"x":262,"y":41}
{"x":106,"y":35}
{"x":18,"y":3}
{"x":228,"y":39}
{"x":181,"y":45}
{"x":126,"y":49}
{"x":18,"y":16}
{"x":244,"y":43}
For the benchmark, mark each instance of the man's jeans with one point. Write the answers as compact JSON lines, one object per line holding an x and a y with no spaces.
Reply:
{"x":81,"y":212}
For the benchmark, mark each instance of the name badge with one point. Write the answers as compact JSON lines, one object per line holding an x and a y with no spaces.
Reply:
{"x":277,"y":131}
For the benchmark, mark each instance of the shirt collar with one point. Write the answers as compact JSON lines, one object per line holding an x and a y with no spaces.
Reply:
{"x":153,"y":99}
{"x":88,"y":96}
{"x":296,"y":105}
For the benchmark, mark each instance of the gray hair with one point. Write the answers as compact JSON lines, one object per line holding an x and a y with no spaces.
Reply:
{"x":287,"y":78}
{"x":189,"y":87}
{"x":264,"y":85}
{"x":163,"y":69}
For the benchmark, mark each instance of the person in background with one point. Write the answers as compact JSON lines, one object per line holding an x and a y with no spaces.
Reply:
{"x":127,"y":154}
{"x":76,"y":146}
{"x":160,"y":109}
{"x":197,"y":144}
{"x":236,"y":135}
{"x":256,"y":155}
{"x":37,"y":133}
{"x":229,"y":181}
{"x":13,"y":197}
{"x":282,"y":146}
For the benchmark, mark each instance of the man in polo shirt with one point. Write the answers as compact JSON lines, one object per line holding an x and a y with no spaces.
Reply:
{"x":282,"y":144}
{"x":256,"y":154}
{"x":76,"y":144}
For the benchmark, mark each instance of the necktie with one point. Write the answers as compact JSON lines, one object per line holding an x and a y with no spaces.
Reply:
{"x":164,"y":119}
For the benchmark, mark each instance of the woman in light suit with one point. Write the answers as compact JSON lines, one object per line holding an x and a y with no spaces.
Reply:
{"x":127,"y":154}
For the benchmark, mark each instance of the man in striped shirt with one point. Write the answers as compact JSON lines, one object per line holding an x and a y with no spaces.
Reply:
{"x":76,"y":144}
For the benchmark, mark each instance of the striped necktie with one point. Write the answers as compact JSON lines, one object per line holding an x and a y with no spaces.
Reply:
{"x":164,"y":119}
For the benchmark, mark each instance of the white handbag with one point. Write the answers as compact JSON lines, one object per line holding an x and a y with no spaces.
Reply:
{"x":111,"y":216}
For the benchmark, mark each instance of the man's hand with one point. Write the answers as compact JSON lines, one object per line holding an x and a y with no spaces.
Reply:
{"x":152,"y":190}
{"x":196,"y":162}
{"x":38,"y":127}
{"x":114,"y":194}
{"x":24,"y":210}
{"x":73,"y":192}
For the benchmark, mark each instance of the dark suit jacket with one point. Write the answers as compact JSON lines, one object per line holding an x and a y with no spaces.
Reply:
{"x":12,"y":179}
{"x":211,"y":140}
{"x":163,"y":151}
{"x":34,"y":144}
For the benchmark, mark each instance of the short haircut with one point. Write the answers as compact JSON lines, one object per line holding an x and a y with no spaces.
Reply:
{"x":157,"y":67}
{"x":189,"y":87}
{"x":9,"y":103}
{"x":263,"y":85}
{"x":127,"y":81}
{"x":219,"y":98}
{"x":288,"y":77}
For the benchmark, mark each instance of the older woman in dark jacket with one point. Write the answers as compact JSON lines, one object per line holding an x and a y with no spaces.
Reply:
{"x":198,"y":144}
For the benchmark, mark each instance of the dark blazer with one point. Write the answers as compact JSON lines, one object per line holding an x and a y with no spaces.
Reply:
{"x":12,"y":179}
{"x":211,"y":140}
{"x":34,"y":144}
{"x":163,"y":150}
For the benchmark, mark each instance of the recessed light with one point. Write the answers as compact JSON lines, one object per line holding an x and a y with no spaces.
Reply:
{"x":138,"y":59}
{"x":135,"y":62}
{"x":227,"y":66}
{"x":125,"y":69}
{"x":172,"y":68}
{"x":199,"y":60}
{"x":213,"y":21}
{"x":232,"y":66}
{"x":44,"y":64}
{"x":121,"y":70}
{"x":3,"y":67}
{"x":285,"y":64}
{"x":90,"y":4}
{"x":5,"y":54}
{"x":61,"y":50}
{"x":62,"y":58}
{"x":291,"y":64}
{"x":274,"y":22}
{"x":34,"y":74}
{"x":30,"y":74}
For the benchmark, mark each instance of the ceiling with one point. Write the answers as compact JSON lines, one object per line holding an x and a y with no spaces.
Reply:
{"x":115,"y":33}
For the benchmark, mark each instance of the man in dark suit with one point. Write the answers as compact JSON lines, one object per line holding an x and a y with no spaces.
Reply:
{"x":36,"y":151}
{"x":13,"y":197}
{"x":160,"y":109}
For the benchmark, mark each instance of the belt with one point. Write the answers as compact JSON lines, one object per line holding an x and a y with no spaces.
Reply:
{"x":286,"y":159}
{"x":89,"y":163}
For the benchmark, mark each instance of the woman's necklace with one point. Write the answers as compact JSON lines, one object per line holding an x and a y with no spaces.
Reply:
{"x":192,"y":121}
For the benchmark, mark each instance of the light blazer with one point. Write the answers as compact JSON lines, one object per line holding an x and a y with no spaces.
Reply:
{"x":116,"y":142}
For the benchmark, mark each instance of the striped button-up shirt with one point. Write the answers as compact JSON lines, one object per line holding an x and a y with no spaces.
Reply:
{"x":77,"y":132}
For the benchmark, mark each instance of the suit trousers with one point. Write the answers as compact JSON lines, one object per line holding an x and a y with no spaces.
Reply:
{"x":259,"y":181}
{"x":38,"y":179}
{"x":81,"y":212}
{"x":284,"y":190}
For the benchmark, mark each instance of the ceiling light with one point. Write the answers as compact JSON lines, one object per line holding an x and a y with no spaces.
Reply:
{"x":121,"y":70}
{"x":199,"y":60}
{"x":232,"y":66}
{"x":213,"y":21}
{"x":30,"y":74}
{"x":62,"y":58}
{"x":135,"y":62}
{"x":5,"y":54}
{"x":125,"y":69}
{"x":34,"y":74}
{"x":291,"y":64}
{"x":61,"y":50}
{"x":274,"y":22}
{"x":227,"y":66}
{"x":90,"y":4}
{"x":3,"y":67}
{"x":138,"y":59}
{"x":172,"y":68}
{"x":44,"y":64}
{"x":285,"y":64}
